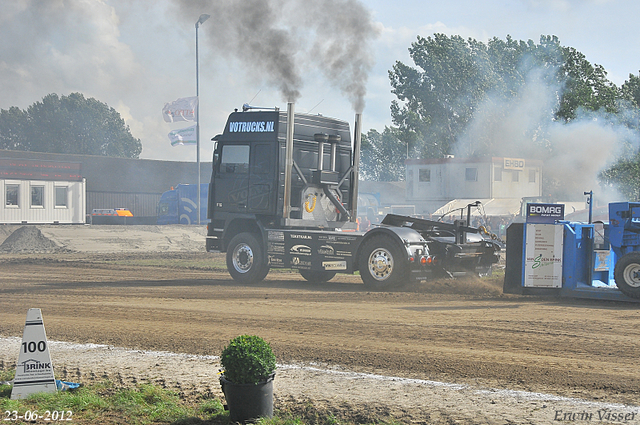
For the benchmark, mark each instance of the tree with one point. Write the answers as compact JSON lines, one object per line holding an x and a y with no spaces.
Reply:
{"x":631,"y":89}
{"x":454,"y":77}
{"x":439,"y":100}
{"x":625,"y":177}
{"x":13,"y":129}
{"x":382,"y":156}
{"x":68,"y":124}
{"x":586,"y":87}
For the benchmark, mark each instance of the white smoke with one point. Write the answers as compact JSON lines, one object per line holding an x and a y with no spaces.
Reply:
{"x":61,"y":47}
{"x":574,"y":153}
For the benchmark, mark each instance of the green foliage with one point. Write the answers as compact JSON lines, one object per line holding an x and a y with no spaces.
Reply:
{"x":248,"y":360}
{"x":68,"y":124}
{"x":382,"y":157}
{"x":625,"y":177}
{"x":78,"y":400}
{"x":211,"y":406}
{"x":453,"y":77}
{"x":586,"y":87}
{"x":5,"y":390}
{"x":150,"y":404}
{"x":102,"y":403}
{"x":502,"y":98}
{"x":7,"y":374}
{"x":631,"y":89}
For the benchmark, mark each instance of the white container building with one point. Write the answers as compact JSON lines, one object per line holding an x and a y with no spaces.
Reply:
{"x":41,"y":192}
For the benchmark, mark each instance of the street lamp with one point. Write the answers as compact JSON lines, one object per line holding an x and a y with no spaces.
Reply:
{"x":201,"y":20}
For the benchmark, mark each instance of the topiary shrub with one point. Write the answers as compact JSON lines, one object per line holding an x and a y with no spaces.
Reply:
{"x":248,"y":360}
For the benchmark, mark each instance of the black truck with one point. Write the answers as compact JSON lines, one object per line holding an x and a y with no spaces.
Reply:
{"x":283,"y":194}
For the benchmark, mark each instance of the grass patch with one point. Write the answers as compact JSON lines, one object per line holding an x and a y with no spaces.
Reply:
{"x":104,"y":403}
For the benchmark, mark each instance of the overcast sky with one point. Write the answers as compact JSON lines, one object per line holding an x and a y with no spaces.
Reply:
{"x":137,"y":55}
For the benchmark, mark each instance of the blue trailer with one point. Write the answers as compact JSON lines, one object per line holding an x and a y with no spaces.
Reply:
{"x":179,"y":205}
{"x":577,"y":260}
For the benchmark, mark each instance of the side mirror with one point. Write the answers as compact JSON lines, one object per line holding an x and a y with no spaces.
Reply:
{"x":216,"y":155}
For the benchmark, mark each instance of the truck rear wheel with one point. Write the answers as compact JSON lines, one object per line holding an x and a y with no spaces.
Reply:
{"x":627,"y":274}
{"x":245,"y":260}
{"x":317,"y":276}
{"x":382,"y":263}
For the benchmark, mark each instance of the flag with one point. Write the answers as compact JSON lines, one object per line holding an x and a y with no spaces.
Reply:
{"x":184,"y":136}
{"x":183,"y":109}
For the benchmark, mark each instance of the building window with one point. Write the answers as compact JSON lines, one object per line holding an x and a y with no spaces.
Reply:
{"x":61,"y":196}
{"x":37,"y":196}
{"x":515,"y":175}
{"x":424,"y":175}
{"x":532,"y":176}
{"x":11,"y":195}
{"x":471,"y":174}
{"x":497,"y":174}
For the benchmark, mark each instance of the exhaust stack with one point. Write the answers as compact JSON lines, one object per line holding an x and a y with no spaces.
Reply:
{"x":288,"y":167}
{"x":357,"y":139}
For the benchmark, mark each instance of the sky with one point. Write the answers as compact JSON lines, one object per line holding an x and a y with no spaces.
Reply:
{"x":137,"y":55}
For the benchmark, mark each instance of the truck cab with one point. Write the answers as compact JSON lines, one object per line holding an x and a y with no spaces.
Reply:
{"x":180,"y":204}
{"x":248,"y":177}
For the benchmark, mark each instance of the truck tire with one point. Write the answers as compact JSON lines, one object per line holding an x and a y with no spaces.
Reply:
{"x":627,"y":274}
{"x":317,"y":276}
{"x":382,"y":263}
{"x":245,"y":261}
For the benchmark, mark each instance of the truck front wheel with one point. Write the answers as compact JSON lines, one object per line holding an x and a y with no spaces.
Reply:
{"x":382,"y":263}
{"x":245,"y":260}
{"x":627,"y":274}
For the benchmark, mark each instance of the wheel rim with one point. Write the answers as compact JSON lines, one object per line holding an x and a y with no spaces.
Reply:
{"x":380,"y":264}
{"x":631,"y":275}
{"x":242,"y":258}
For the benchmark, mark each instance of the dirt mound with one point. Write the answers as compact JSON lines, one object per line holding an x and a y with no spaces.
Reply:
{"x":28,"y":239}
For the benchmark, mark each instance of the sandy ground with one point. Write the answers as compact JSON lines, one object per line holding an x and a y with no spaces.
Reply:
{"x":105,"y":239}
{"x":142,"y":304}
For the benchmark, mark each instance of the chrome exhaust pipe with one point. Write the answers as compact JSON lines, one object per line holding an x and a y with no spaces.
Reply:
{"x":288,"y":167}
{"x":357,"y":139}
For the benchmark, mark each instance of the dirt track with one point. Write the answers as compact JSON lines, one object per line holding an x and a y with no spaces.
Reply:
{"x":462,"y":331}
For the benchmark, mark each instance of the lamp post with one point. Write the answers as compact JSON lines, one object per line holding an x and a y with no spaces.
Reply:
{"x":201,"y":19}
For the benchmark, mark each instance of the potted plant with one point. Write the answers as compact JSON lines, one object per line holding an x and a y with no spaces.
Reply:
{"x":247,"y":379}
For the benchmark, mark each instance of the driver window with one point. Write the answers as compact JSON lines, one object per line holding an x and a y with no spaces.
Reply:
{"x":235,"y":159}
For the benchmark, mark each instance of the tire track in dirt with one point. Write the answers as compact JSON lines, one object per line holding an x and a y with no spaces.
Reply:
{"x":443,"y":332}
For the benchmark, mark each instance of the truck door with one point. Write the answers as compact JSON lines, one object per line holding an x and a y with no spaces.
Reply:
{"x":262,"y":178}
{"x":232,"y":178}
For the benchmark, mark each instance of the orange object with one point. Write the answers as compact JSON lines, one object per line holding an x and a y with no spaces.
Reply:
{"x":120,"y":212}
{"x":123,"y":212}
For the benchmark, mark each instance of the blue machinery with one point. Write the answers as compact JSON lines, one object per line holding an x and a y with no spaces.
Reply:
{"x":577,"y":260}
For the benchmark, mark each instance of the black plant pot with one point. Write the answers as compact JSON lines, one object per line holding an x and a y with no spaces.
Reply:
{"x":248,"y":401}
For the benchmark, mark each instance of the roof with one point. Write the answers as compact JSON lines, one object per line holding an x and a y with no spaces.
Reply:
{"x":488,"y":207}
{"x":123,"y":175}
{"x":497,"y":207}
{"x":468,"y":160}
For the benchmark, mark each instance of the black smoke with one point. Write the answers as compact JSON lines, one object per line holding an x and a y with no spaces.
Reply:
{"x":280,"y":41}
